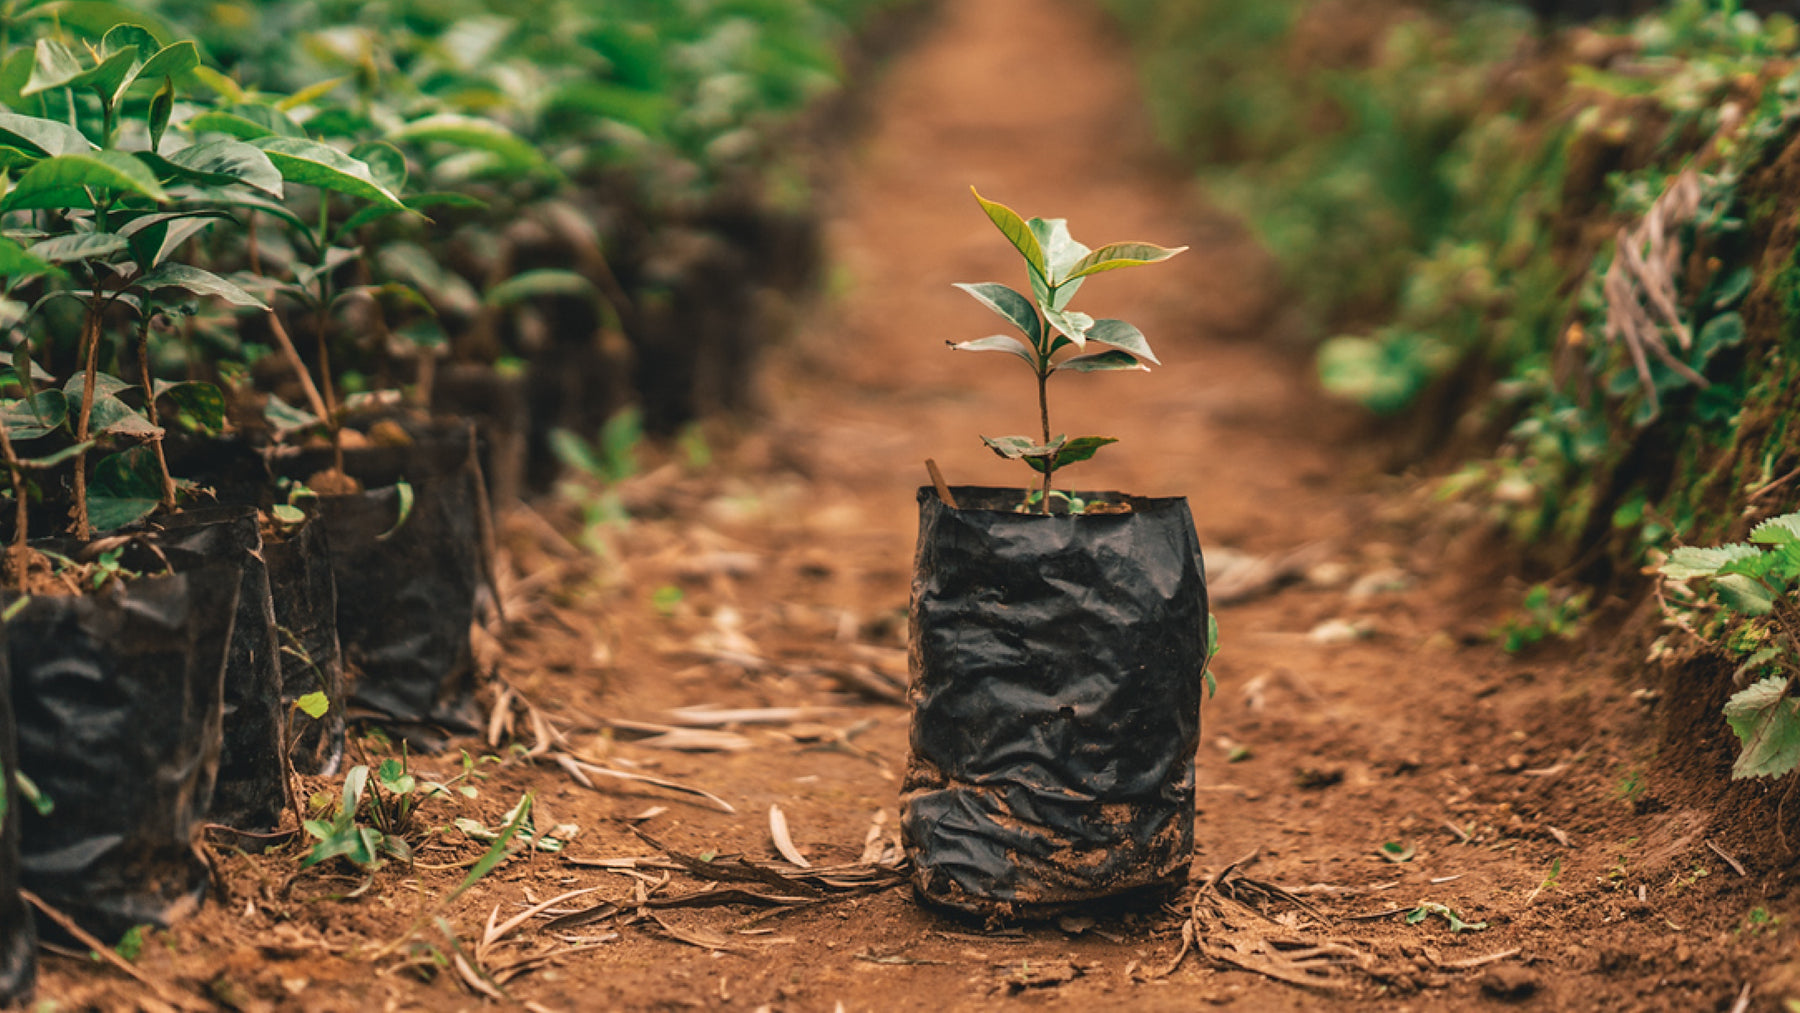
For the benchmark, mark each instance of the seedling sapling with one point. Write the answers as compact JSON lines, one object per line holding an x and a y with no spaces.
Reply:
{"x":1057,"y":337}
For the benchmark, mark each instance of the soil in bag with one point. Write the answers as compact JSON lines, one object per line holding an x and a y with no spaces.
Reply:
{"x":252,"y":788}
{"x":1057,"y":670}
{"x":305,"y":595}
{"x":18,"y":932}
{"x":407,"y":556}
{"x":118,"y":698}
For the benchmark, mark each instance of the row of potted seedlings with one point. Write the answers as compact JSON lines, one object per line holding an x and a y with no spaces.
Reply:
{"x":215,"y":554}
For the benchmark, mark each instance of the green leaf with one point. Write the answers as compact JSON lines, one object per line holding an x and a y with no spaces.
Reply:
{"x":193,"y":279}
{"x":1016,"y":232}
{"x":315,"y":164}
{"x":156,"y":236}
{"x":1783,"y":530}
{"x":247,"y":121}
{"x":79,"y":246}
{"x":1061,"y":251}
{"x":1010,"y":305}
{"x":39,"y":415}
{"x":496,"y":852}
{"x":1070,"y":324}
{"x":285,"y":513}
{"x":119,"y":38}
{"x":223,"y":162}
{"x":162,"y":106}
{"x":512,"y":151}
{"x":1114,"y":256}
{"x":170,"y":61}
{"x":1073,"y":451}
{"x":404,"y":491}
{"x":392,"y":775}
{"x":1097,"y":362}
{"x":1723,"y":331}
{"x":17,"y":262}
{"x":285,"y":418}
{"x":547,"y":281}
{"x":1688,"y":561}
{"x":51,"y":182}
{"x":201,"y":404}
{"x":1743,"y":595}
{"x":42,"y":138}
{"x":127,"y":486}
{"x":1120,"y":334}
{"x":114,"y":417}
{"x":997,"y":343}
{"x":415,"y":203}
{"x":385,"y":163}
{"x":1767,"y":723}
{"x":1014,"y":448}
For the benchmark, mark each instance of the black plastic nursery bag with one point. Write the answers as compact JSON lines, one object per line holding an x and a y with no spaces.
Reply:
{"x":118,"y":697}
{"x":18,"y":931}
{"x":1057,"y":664}
{"x":252,"y":790}
{"x":306,"y":621}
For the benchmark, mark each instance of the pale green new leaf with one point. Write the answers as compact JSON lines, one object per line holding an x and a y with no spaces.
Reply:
{"x":997,"y":343}
{"x":1016,"y":232}
{"x":1070,"y":324}
{"x":320,"y":165}
{"x":513,"y":151}
{"x":1689,"y":561}
{"x":17,"y":262}
{"x":548,"y":281}
{"x":1010,"y":305}
{"x":314,"y":705}
{"x":1114,"y":256}
{"x":51,"y":182}
{"x":1783,"y":530}
{"x":1767,"y":723}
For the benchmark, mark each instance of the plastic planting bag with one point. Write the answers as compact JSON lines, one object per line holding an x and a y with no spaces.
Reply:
{"x":252,"y":789}
{"x":18,"y":932}
{"x":306,"y":622}
{"x":406,"y":554}
{"x":118,"y":698}
{"x":1057,"y":671}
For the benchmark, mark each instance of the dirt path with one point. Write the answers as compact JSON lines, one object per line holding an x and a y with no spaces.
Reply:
{"x":1361,"y":706}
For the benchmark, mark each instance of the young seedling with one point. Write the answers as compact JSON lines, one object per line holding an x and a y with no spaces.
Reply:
{"x":1057,"y":337}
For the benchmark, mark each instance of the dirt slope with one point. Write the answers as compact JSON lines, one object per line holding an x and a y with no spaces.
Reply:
{"x":1362,"y":703}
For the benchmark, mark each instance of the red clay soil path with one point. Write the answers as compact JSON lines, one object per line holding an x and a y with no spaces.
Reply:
{"x":1362,"y":706}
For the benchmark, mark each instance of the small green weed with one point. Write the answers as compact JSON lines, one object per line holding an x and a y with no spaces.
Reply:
{"x":1759,"y":920}
{"x":1457,"y":924}
{"x":1547,"y":612}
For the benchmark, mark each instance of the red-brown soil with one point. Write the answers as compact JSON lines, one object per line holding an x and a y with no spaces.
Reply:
{"x":1361,"y":704}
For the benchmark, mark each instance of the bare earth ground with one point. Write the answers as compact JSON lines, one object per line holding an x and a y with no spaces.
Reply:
{"x":1362,"y":703}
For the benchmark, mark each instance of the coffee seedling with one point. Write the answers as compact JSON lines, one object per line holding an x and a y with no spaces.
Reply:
{"x":1057,"y":337}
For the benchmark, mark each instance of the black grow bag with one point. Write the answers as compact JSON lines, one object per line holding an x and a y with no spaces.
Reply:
{"x":18,"y":932}
{"x":252,"y":790}
{"x":1057,"y":670}
{"x":305,"y":595}
{"x":118,"y":697}
{"x":406,"y":589}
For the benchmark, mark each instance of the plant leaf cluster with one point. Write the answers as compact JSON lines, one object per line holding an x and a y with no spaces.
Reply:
{"x":1056,"y":337}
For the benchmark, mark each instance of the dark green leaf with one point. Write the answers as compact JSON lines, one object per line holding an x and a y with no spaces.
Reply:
{"x":38,"y":415}
{"x":1071,"y":452}
{"x":79,"y":246}
{"x":315,"y":164}
{"x":114,"y":417}
{"x":201,"y":404}
{"x":1723,"y":331}
{"x":1120,"y":334}
{"x":42,"y":138}
{"x":997,"y":343}
{"x":126,"y":487}
{"x":223,"y":162}
{"x":157,"y":236}
{"x":1010,"y":305}
{"x":535,"y":284}
{"x":162,"y":105}
{"x":1099,"y":362}
{"x":202,"y":283}
{"x":47,"y":184}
